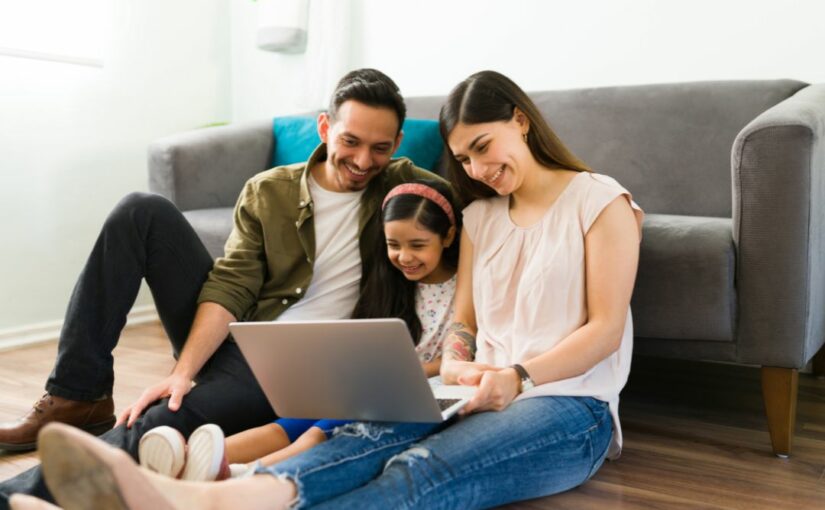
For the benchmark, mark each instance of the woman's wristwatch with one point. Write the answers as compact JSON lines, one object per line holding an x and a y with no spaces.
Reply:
{"x":526,"y":381}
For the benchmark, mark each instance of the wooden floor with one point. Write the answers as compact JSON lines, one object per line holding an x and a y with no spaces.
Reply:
{"x":695,"y":433}
{"x":143,"y":357}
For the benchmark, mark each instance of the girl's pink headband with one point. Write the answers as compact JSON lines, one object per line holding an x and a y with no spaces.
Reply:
{"x":422,"y":190}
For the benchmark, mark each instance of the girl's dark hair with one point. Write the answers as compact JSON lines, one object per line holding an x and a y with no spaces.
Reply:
{"x":488,"y":96}
{"x":386,"y":292}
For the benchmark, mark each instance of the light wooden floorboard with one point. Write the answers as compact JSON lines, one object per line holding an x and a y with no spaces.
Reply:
{"x":142,"y":357}
{"x":695,"y":433}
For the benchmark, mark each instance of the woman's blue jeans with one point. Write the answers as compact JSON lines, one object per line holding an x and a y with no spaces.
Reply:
{"x":535,"y":447}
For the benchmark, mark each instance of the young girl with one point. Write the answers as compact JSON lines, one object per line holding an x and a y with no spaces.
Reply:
{"x":413,"y":278}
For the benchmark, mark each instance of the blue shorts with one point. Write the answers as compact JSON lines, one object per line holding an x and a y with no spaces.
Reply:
{"x":294,"y":427}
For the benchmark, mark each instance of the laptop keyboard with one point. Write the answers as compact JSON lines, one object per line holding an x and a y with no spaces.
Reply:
{"x":446,"y":403}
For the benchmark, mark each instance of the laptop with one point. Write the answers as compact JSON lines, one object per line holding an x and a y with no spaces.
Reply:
{"x":359,"y":369}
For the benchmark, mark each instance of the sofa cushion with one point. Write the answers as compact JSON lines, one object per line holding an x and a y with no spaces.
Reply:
{"x":685,"y":285}
{"x":297,"y":137}
{"x":421,"y":143}
{"x":213,"y":226}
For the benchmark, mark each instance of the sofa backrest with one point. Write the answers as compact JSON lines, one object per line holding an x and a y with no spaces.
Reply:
{"x":669,"y":144}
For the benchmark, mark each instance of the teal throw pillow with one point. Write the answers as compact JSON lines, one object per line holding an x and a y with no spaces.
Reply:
{"x":421,"y":143}
{"x":297,"y":137}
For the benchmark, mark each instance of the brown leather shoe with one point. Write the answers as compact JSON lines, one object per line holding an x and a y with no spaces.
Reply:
{"x":94,"y":417}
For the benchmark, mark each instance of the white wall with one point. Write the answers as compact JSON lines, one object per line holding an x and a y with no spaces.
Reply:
{"x":265,"y":84}
{"x":427,"y":46}
{"x":73,"y":139}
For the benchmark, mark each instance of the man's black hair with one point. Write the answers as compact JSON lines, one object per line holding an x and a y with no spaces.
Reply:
{"x":370,"y":87}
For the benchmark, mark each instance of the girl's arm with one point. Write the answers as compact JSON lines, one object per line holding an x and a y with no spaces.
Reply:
{"x":611,"y":260}
{"x":459,"y":348}
{"x":432,"y":368}
{"x":254,"y":443}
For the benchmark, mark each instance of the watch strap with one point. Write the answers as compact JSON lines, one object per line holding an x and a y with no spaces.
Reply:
{"x":526,"y":381}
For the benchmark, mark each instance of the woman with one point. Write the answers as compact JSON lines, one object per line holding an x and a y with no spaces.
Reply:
{"x":542,"y":327}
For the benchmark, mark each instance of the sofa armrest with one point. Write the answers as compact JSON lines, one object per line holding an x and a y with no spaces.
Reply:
{"x":778,"y":173}
{"x":207,"y":167}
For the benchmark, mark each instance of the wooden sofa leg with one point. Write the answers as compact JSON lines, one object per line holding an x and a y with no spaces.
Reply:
{"x":819,"y":363}
{"x":779,"y":391}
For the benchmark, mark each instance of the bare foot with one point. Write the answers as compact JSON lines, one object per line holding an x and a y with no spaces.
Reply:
{"x":84,"y":473}
{"x":25,"y":502}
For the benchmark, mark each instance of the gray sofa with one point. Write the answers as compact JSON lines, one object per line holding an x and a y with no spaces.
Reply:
{"x":731,"y":175}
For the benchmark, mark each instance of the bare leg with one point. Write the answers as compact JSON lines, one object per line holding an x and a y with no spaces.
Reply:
{"x":84,"y":473}
{"x":260,"y":492}
{"x":312,"y":437}
{"x":250,"y":445}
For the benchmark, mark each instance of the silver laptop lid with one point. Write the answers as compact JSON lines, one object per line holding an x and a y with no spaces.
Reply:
{"x":345,"y":369}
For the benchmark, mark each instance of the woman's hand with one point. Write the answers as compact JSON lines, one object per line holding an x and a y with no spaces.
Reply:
{"x":456,"y":372}
{"x":496,"y":389}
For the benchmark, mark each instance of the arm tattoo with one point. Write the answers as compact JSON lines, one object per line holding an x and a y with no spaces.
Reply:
{"x":460,"y":344}
{"x":455,"y":326}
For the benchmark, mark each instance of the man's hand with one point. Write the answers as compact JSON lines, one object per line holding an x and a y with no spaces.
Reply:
{"x":496,"y":390}
{"x":209,"y":329}
{"x":174,"y":386}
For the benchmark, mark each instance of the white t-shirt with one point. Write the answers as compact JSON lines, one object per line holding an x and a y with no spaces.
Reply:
{"x":529,"y":287}
{"x":336,"y":272}
{"x":434,"y":304}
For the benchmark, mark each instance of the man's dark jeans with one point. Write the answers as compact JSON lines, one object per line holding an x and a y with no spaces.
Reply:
{"x":145,"y":236}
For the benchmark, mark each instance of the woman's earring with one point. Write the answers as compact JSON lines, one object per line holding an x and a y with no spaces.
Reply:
{"x":524,"y":137}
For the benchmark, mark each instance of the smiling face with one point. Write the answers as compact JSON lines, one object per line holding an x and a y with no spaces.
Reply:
{"x":416,"y":251}
{"x":494,"y":153}
{"x":360,"y":142}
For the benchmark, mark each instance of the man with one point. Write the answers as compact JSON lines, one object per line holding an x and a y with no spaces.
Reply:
{"x":301,"y":236}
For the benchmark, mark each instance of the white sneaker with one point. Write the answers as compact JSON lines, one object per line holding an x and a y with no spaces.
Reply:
{"x":163,"y":450}
{"x":243,"y":470}
{"x":206,"y":455}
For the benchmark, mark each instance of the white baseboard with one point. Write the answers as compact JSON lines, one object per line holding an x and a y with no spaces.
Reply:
{"x":50,"y":331}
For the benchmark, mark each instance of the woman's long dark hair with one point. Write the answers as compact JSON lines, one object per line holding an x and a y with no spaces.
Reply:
{"x":488,"y":96}
{"x":386,"y":292}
